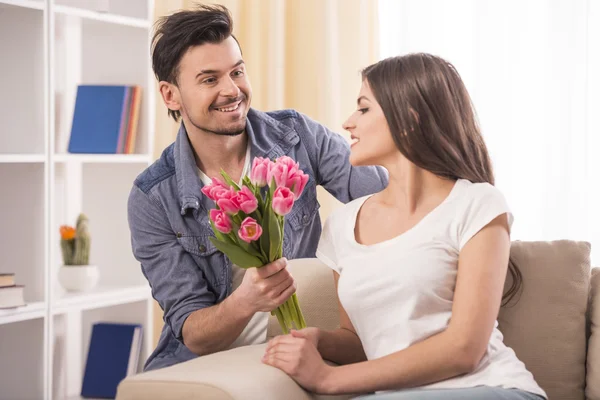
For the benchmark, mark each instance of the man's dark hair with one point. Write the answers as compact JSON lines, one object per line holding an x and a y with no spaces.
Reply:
{"x":174,"y":34}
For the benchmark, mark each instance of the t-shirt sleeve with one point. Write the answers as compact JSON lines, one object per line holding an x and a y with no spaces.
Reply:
{"x":485,"y":203}
{"x":326,"y":248}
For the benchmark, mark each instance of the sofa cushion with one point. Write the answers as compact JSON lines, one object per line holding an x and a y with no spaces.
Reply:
{"x":592,"y":390}
{"x":316,"y":295}
{"x":546,"y":326}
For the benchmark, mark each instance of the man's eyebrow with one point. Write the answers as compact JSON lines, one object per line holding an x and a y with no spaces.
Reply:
{"x":214,"y":71}
{"x":361,"y":98}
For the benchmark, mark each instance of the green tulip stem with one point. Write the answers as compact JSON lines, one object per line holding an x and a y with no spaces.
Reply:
{"x":281,"y":321}
{"x":299,"y":311}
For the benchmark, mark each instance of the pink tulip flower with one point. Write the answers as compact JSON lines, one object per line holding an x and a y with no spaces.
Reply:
{"x":250,"y":230}
{"x":221,"y":220}
{"x":245,"y":200}
{"x":283,"y":200}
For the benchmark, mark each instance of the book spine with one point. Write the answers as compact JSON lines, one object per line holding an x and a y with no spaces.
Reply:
{"x":124,"y":121}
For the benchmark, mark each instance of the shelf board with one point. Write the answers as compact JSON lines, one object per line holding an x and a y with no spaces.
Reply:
{"x":30,"y":311}
{"x":35,"y":5}
{"x":101,"y":297}
{"x":103,"y":17}
{"x":21,"y":158}
{"x":103,"y":158}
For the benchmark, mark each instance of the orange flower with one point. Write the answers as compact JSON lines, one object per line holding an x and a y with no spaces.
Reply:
{"x":67,"y":232}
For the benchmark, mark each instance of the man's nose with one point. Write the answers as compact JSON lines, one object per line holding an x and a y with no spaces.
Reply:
{"x":230,"y":89}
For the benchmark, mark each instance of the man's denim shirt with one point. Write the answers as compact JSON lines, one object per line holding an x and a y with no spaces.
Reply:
{"x":170,"y":230}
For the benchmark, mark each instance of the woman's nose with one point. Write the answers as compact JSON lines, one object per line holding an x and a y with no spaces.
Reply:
{"x":348,"y":125}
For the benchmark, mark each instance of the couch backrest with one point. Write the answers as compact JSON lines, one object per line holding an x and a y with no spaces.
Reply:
{"x":546,"y":326}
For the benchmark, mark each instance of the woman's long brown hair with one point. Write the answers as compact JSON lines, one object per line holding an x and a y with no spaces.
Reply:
{"x":433,"y":123}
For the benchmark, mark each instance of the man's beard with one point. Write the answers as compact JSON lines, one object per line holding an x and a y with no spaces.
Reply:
{"x":222,"y":132}
{"x":235,"y":131}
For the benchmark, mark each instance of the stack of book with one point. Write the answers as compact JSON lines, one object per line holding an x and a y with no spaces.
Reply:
{"x":105,"y":119}
{"x":11,"y":294}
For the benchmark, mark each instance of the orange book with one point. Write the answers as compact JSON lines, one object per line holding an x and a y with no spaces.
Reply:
{"x":134,"y":116}
{"x":124,"y":120}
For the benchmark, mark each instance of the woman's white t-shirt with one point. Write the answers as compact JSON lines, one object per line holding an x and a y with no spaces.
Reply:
{"x":399,"y":292}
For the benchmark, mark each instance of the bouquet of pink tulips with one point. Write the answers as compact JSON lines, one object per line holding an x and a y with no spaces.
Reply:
{"x":248,"y":225}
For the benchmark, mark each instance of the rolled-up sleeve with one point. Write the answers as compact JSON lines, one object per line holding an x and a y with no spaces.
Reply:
{"x":330,"y":152}
{"x":177,"y":283}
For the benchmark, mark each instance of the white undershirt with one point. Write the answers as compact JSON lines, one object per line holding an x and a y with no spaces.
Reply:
{"x":256,"y":330}
{"x":400,"y":291}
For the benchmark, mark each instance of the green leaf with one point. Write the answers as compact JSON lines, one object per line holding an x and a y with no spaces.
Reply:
{"x":259,"y":197}
{"x":237,"y":219}
{"x":274,"y":235}
{"x":247,"y":182}
{"x":229,"y":180}
{"x":237,"y":255}
{"x":248,"y":248}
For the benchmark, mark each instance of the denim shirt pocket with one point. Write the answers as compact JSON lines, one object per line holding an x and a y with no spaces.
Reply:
{"x":208,"y":259}
{"x":302,"y":216}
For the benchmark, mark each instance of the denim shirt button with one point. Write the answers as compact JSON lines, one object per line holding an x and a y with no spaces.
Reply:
{"x":179,"y":234}
{"x":202,"y":248}
{"x":305,"y":218}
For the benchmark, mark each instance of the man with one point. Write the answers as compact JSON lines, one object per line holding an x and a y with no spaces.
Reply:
{"x":209,"y":304}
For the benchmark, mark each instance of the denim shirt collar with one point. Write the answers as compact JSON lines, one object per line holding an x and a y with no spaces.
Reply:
{"x":268,"y":138}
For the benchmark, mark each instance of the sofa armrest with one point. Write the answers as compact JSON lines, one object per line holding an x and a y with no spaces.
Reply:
{"x":316,"y":295}
{"x":229,"y":375}
{"x":592,"y":390}
{"x":239,"y":373}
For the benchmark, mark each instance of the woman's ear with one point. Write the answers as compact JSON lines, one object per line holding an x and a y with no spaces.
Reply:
{"x":170,"y":95}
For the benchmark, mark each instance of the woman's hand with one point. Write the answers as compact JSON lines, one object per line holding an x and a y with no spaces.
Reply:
{"x":296,"y":354}
{"x":311,"y":334}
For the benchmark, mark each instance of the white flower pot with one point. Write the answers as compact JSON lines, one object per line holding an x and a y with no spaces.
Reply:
{"x":78,"y":278}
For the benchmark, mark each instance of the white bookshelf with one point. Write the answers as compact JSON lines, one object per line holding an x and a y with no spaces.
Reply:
{"x":48,"y":47}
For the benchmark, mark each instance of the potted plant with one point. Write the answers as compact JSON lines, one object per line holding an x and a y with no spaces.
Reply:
{"x":76,"y":274}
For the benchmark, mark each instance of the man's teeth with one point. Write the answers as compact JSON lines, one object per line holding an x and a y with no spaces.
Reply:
{"x":229,"y":109}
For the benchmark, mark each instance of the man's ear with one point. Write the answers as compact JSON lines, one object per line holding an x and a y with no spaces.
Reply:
{"x":170,"y":95}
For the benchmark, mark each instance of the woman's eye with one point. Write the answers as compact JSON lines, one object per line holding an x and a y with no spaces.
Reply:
{"x":363,"y":110}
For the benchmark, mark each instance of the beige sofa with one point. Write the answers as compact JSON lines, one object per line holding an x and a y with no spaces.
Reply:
{"x":554,"y":328}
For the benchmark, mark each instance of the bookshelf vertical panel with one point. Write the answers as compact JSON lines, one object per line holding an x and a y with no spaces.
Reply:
{"x":22,"y":76}
{"x":67,"y":75}
{"x":67,"y":367}
{"x":21,"y":363}
{"x":66,"y":207}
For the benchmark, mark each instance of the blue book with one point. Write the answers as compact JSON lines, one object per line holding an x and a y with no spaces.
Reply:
{"x":113,"y":354}
{"x":97,"y":119}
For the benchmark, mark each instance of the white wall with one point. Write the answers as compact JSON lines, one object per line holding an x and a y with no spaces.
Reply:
{"x":533,"y":72}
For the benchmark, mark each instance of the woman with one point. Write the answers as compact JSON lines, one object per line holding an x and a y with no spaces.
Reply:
{"x":419,"y":267}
